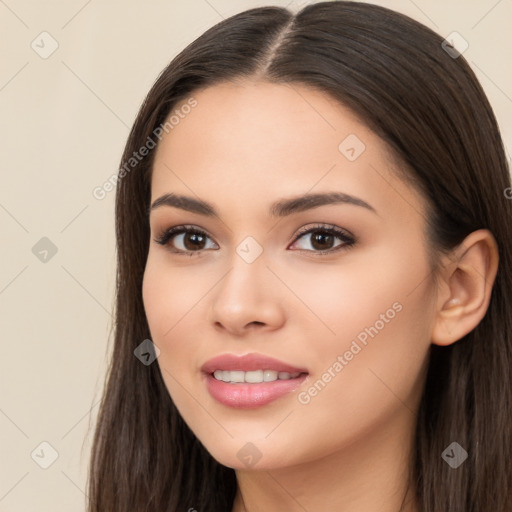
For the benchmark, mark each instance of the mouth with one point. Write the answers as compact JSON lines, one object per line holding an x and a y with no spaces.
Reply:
{"x":251,"y":364}
{"x":251,"y":380}
{"x":253,"y":377}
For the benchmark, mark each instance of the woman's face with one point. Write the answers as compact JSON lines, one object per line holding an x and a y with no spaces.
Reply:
{"x":352,"y":309}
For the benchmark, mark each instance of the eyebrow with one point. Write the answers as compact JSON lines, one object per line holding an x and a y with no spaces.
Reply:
{"x":281,"y":208}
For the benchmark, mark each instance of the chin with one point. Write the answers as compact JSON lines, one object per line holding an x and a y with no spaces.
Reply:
{"x":248,"y":456}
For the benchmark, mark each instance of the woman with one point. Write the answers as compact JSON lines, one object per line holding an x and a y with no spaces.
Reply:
{"x":314,"y":276}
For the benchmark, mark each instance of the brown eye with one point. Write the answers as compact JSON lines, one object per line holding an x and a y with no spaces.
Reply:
{"x":184,"y":240}
{"x":192,"y":240}
{"x":323,"y":238}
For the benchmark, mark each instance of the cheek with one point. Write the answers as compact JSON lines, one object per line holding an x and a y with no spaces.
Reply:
{"x":166,"y":302}
{"x":367,"y":295}
{"x":371,"y":366}
{"x":172,"y":298}
{"x":170,"y":294}
{"x":374,"y":313}
{"x":369,"y":377}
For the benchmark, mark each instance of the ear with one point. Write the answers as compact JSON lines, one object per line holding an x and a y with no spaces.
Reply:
{"x":465,"y":287}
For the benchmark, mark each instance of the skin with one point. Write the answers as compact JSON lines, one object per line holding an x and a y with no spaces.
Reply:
{"x":244,"y":146}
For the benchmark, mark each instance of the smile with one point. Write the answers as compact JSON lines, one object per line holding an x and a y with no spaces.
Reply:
{"x":253,"y":377}
{"x":250,"y":380}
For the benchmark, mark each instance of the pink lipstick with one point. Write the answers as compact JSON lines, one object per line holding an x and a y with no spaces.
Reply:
{"x":251,"y":380}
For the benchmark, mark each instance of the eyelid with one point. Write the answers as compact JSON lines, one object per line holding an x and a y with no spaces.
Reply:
{"x":167,"y":234}
{"x":346,"y":236}
{"x":323,"y":226}
{"x":348,"y":239}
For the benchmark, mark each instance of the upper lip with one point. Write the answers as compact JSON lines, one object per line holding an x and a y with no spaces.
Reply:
{"x":248,"y":363}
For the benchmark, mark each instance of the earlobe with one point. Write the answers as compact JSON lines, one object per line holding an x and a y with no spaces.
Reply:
{"x":467,"y":282}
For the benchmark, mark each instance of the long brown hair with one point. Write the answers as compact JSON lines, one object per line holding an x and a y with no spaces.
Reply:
{"x":431,"y":111}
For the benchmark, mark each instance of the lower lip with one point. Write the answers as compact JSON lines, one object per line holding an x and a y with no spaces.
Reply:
{"x":250,"y":396}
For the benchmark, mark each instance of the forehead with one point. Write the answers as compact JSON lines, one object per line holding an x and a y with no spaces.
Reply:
{"x":255,"y":141}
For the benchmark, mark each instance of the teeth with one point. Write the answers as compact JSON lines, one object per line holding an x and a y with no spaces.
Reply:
{"x":253,"y":377}
{"x":236,"y":376}
{"x":269,"y":375}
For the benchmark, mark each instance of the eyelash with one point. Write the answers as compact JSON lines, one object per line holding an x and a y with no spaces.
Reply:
{"x":349,"y":240}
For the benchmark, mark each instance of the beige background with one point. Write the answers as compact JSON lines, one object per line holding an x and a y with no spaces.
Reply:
{"x":64,"y":122}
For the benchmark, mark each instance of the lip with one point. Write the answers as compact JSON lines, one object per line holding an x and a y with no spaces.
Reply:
{"x":245,"y":395}
{"x":248,"y":363}
{"x":251,"y":396}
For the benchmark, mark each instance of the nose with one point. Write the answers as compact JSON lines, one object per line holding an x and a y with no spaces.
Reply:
{"x":248,"y":297}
